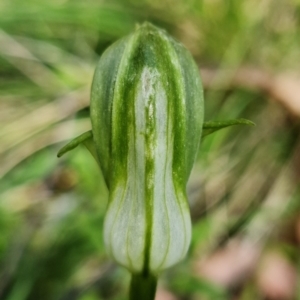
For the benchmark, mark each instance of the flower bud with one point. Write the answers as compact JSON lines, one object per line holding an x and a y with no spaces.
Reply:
{"x":147,"y":116}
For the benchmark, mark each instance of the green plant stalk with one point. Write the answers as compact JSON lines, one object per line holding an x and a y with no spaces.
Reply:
{"x":142,"y":286}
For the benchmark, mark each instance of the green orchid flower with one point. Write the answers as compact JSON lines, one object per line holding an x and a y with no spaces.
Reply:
{"x":147,"y":113}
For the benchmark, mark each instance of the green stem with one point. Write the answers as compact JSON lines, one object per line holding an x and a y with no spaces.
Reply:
{"x":142,"y":287}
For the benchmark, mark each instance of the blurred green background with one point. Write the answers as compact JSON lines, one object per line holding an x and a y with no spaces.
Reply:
{"x":244,"y":190}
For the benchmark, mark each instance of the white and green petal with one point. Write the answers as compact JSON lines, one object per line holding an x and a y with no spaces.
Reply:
{"x":147,"y":110}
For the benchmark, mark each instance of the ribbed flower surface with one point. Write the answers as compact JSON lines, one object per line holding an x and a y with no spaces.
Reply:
{"x":147,"y":115}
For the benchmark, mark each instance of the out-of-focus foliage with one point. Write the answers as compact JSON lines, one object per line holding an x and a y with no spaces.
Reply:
{"x":244,"y":187}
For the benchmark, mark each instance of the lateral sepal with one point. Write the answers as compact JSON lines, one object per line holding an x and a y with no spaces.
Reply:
{"x":85,"y":139}
{"x":210,"y":127}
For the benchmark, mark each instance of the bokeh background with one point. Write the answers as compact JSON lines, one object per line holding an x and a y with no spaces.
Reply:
{"x":244,"y":190}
